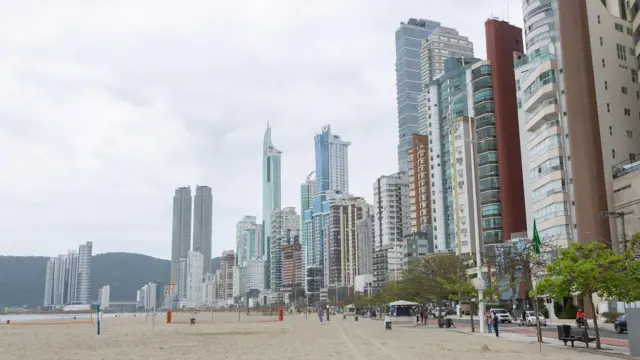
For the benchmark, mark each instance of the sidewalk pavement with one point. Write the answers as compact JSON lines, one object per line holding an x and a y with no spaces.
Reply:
{"x":554,"y":322}
{"x":618,"y":347}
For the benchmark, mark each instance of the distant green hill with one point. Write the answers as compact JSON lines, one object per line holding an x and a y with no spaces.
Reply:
{"x":22,"y":279}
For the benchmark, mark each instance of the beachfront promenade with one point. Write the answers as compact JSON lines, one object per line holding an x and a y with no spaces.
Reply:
{"x":253,"y":338}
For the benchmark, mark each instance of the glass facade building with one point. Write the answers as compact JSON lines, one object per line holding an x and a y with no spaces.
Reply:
{"x":409,"y":37}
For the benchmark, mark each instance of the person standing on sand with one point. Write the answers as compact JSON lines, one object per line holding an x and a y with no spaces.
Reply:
{"x":495,"y":323}
{"x":320,"y":313}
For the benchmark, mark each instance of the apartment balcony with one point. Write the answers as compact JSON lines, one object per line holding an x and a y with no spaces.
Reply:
{"x":549,"y":153}
{"x":550,"y":176}
{"x":558,"y":218}
{"x":548,"y":110}
{"x":542,"y":94}
{"x":545,"y":133}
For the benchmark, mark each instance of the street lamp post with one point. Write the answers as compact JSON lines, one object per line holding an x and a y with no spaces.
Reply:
{"x":620,"y":215}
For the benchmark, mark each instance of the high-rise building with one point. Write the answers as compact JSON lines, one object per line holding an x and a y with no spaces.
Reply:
{"x":181,"y":234}
{"x":68,"y":278}
{"x":248,"y":240}
{"x":291,"y":264}
{"x":419,"y":181}
{"x":227,"y":262}
{"x":182,"y":284}
{"x":577,"y":91}
{"x":466,"y":204}
{"x":409,"y":38}
{"x":203,"y":225}
{"x":442,"y":44}
{"x":195,"y":277}
{"x":255,"y":275}
{"x":392,"y":218}
{"x":634,"y":16}
{"x":447,"y":97}
{"x":503,"y":40}
{"x":285,"y":225}
{"x":271,"y":195}
{"x":342,"y":244}
{"x":307,"y":192}
{"x":332,"y":178}
{"x":83,"y":288}
{"x":365,"y":234}
{"x":147,"y":296}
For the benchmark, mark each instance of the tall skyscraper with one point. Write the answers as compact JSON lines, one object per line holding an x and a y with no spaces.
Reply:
{"x":409,"y":38}
{"x":285,"y":225}
{"x":307,"y":191}
{"x":503,"y":40}
{"x":419,"y":183}
{"x":227,"y":262}
{"x":392,"y":217}
{"x":202,"y":225}
{"x":442,"y":44}
{"x":332,"y":178}
{"x":181,"y":234}
{"x":271,"y":195}
{"x":83,"y":289}
{"x":577,"y":91}
{"x":68,"y":278}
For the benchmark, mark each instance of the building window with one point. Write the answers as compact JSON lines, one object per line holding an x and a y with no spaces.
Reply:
{"x":634,"y":75}
{"x":622,"y":52}
{"x":625,"y":90}
{"x":619,"y":27}
{"x":630,"y":134}
{"x":627,"y":112}
{"x":598,"y":19}
{"x":608,"y":107}
{"x":603,"y":63}
{"x":601,"y":41}
{"x":613,"y":153}
{"x":611,"y":130}
{"x":606,"y":85}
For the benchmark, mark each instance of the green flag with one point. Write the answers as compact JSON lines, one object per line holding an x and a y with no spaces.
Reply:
{"x":535,"y":242}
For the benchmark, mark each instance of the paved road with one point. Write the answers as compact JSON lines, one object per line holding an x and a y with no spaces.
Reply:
{"x":550,"y":331}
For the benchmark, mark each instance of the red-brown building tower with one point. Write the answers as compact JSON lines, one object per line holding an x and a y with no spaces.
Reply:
{"x":503,"y":39}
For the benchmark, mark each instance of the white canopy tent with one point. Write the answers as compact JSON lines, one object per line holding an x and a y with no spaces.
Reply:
{"x":403,"y":303}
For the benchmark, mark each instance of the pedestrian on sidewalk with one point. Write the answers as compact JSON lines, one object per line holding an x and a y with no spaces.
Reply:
{"x":495,"y":323}
{"x":489,"y":321}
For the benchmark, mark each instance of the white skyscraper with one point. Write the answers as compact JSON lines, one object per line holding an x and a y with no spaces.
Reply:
{"x":392,"y":220}
{"x":68,"y":278}
{"x":83,"y":288}
{"x":248,"y":240}
{"x":195,"y":277}
{"x":254,"y":278}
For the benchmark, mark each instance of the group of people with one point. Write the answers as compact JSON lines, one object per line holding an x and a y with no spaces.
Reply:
{"x":492,"y":322}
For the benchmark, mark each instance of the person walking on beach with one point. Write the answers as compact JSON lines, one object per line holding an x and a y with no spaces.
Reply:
{"x":495,"y":323}
{"x":320,"y":313}
{"x":489,"y":321}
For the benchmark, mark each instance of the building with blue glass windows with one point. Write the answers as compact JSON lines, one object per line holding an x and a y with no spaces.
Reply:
{"x":332,"y":178}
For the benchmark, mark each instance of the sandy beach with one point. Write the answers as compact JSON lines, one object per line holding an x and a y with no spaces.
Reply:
{"x":258,"y":337}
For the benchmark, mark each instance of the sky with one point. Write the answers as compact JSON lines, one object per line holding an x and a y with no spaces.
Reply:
{"x":107,"y":106}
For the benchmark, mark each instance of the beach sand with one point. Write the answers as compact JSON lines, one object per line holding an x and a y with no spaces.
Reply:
{"x":127,"y":337}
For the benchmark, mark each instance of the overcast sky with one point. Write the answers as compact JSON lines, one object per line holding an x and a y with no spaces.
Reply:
{"x":107,"y":106}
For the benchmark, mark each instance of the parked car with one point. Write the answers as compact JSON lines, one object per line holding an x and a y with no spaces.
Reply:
{"x":621,"y":324}
{"x":530,"y":318}
{"x":503,"y":315}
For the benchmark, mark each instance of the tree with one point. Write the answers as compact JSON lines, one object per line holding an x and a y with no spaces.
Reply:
{"x":428,"y":278}
{"x":463,"y":290}
{"x":593,"y":268}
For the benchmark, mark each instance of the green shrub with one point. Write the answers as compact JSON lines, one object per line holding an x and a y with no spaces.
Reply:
{"x":558,"y":309}
{"x":570,"y":310}
{"x":610,"y":317}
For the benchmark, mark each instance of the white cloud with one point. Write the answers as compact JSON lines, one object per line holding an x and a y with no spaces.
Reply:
{"x":106,"y":107}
